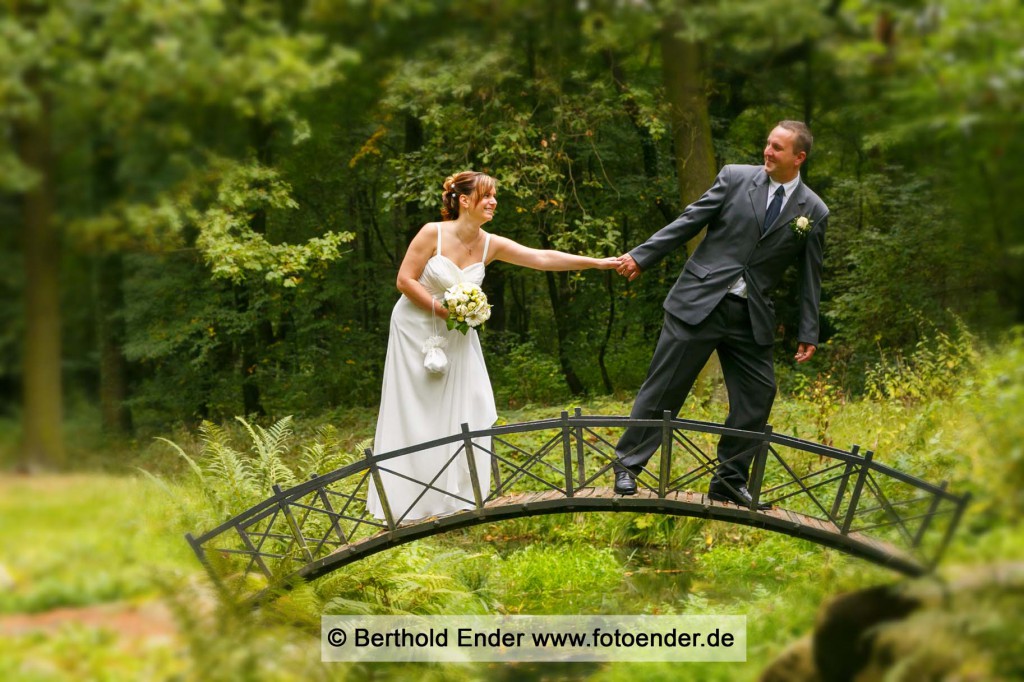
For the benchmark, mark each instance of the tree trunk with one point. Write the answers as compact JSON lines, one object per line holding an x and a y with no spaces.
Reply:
{"x":43,"y":443}
{"x":110,"y":336}
{"x":609,"y":325}
{"x":685,"y":87}
{"x":683,"y":72}
{"x":415,"y":214}
{"x":262,"y":335}
{"x":558,"y":293}
{"x":110,"y":328}
{"x":557,"y":288}
{"x":495,"y":289}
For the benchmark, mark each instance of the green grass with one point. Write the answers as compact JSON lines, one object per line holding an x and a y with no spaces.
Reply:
{"x":86,"y":539}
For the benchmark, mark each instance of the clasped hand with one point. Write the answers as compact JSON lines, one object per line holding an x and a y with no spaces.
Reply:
{"x":627,"y":267}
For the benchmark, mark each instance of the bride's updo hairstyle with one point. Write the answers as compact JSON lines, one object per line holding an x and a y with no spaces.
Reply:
{"x":471,"y":183}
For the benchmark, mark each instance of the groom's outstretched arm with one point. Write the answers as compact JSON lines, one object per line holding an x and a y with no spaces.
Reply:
{"x":684,"y":228}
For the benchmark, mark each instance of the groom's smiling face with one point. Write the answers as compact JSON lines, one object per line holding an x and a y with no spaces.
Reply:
{"x":781,"y":161}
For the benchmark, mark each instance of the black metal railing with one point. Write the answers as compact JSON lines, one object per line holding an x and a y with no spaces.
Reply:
{"x":842,"y":499}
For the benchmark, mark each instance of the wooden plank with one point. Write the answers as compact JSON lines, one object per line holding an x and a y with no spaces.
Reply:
{"x":815,"y":523}
{"x":529,"y":498}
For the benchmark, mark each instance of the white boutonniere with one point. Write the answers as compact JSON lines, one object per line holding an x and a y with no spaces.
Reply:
{"x":801,"y":226}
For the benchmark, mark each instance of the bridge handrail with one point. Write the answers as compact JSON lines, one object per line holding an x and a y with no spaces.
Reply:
{"x":304,"y":488}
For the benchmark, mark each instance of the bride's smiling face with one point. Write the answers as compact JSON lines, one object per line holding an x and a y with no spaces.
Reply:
{"x":484,"y":209}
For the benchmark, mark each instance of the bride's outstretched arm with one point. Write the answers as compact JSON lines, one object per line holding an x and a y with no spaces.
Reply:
{"x":416,"y":257}
{"x":505,"y":249}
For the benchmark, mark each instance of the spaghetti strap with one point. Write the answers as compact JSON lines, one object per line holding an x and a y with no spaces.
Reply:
{"x":439,"y":239}
{"x":487,"y":243}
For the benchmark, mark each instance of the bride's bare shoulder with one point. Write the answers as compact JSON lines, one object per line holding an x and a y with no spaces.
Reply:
{"x":432,"y":227}
{"x":428,"y":231}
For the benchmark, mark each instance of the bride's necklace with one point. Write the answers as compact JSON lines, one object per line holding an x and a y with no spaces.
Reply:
{"x":469,"y":249}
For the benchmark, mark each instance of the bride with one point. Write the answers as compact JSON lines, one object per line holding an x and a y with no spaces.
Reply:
{"x":416,"y":405}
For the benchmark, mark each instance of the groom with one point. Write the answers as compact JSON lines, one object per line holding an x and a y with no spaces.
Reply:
{"x":760,"y":220}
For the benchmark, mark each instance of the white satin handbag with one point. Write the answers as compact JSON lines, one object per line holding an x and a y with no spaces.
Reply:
{"x":434,"y":358}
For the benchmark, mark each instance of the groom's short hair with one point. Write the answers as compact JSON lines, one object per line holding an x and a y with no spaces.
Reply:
{"x":804,"y":139}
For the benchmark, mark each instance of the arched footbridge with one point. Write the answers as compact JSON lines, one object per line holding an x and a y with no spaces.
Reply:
{"x":837,"y":498}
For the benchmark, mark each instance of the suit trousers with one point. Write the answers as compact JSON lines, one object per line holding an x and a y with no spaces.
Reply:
{"x":682,"y":351}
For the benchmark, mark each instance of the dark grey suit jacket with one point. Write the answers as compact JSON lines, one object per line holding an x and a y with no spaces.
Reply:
{"x":733,"y":211}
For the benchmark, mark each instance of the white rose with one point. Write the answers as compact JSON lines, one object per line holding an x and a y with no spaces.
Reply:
{"x":802,"y":223}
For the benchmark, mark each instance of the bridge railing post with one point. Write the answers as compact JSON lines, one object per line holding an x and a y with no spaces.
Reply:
{"x":257,"y":556}
{"x":758,"y":467}
{"x":858,"y":487}
{"x":936,"y":499}
{"x":474,"y":477}
{"x":293,"y":524}
{"x":331,"y":514}
{"x":201,"y":554}
{"x":961,"y":507}
{"x":496,"y":476}
{"x":665,"y":473}
{"x":581,"y":470}
{"x":198,"y":549}
{"x":379,"y":485}
{"x":838,"y":502}
{"x":567,"y":453}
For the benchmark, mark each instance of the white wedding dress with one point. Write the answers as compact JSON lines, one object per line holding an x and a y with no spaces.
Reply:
{"x":417,"y":406}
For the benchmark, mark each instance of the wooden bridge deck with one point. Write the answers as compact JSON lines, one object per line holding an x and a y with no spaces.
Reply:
{"x":593,"y":499}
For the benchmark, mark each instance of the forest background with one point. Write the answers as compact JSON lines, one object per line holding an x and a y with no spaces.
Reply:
{"x":208,"y":202}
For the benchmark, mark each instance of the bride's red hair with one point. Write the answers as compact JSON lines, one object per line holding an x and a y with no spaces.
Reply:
{"x":471,"y":183}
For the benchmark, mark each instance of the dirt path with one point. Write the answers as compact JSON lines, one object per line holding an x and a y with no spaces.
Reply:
{"x":150,"y":620}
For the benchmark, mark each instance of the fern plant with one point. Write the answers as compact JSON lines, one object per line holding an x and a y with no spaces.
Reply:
{"x":268,"y":446}
{"x":233,"y":480}
{"x":411,"y":579}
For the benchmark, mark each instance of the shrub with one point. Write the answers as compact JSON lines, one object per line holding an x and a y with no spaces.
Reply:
{"x":929,"y":372}
{"x":523,"y":374}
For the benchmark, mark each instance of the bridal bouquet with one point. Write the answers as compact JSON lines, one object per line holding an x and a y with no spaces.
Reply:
{"x":467,"y":306}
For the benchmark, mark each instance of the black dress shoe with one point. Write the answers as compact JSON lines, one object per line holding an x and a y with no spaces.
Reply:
{"x":740,"y":497}
{"x":624,"y":483}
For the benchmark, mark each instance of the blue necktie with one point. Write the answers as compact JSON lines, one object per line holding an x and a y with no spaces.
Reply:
{"x":774,"y":208}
